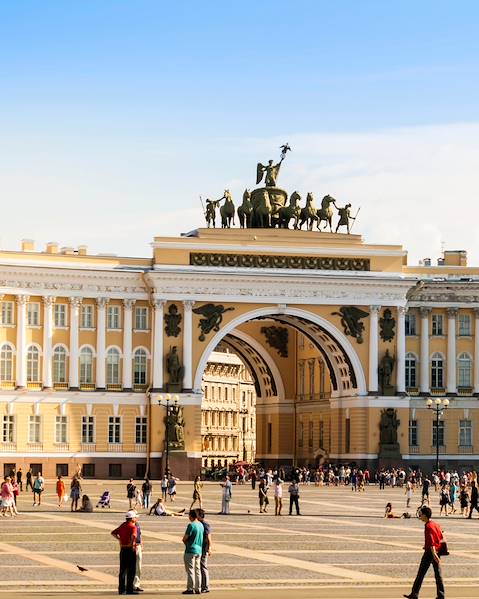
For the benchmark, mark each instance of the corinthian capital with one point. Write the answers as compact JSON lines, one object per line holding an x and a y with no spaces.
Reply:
{"x":129,"y":303}
{"x":76,"y":302}
{"x":188,"y":304}
{"x":101,"y":302}
{"x":22,"y":299}
{"x":49,"y":300}
{"x":452,"y":312}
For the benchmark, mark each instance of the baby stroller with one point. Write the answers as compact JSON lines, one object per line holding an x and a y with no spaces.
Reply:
{"x":104,"y":500}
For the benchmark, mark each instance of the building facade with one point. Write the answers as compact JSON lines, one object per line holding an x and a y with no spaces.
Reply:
{"x":84,"y":341}
{"x":228,"y":427}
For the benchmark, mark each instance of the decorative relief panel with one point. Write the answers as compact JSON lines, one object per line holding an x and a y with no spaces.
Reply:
{"x":290,"y":262}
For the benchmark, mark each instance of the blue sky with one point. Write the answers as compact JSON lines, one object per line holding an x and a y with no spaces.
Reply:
{"x":116,"y":116}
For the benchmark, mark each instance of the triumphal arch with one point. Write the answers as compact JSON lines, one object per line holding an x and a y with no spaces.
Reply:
{"x":342,"y":338}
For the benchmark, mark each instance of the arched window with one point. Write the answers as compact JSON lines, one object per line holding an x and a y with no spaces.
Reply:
{"x":33,"y":362}
{"x":464,"y":370}
{"x":59,"y":365}
{"x":437,"y":371}
{"x":113,"y":367}
{"x":410,"y":370}
{"x":139,"y":367}
{"x":6,"y":363}
{"x":86,"y":366}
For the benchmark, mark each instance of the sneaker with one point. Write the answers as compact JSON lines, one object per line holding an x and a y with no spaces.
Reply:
{"x":188,"y":593}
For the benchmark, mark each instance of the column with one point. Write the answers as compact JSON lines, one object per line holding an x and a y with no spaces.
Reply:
{"x":75,"y":303}
{"x":476,"y":352}
{"x":373,"y":349}
{"x":401,"y":352}
{"x":127,"y":343}
{"x":48,"y":302}
{"x":188,"y":344}
{"x":21,"y":374}
{"x":158,"y":306}
{"x":424,"y":364}
{"x":451,"y":351}
{"x":101,"y":303}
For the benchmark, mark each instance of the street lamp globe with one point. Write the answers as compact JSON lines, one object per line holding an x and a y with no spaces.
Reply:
{"x":437,"y":401}
{"x":429,"y":403}
{"x":446,"y":402}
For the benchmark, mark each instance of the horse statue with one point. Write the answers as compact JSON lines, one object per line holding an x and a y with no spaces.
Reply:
{"x":326,"y":212}
{"x":210,"y":213}
{"x":245,"y":211}
{"x":308,"y":213}
{"x":292,"y":210}
{"x":227,"y":211}
{"x":262,"y":211}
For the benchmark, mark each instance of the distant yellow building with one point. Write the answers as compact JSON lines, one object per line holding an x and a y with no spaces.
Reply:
{"x":333,"y":332}
{"x":228,"y":428}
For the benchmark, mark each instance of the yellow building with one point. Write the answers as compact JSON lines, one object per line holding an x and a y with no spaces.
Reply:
{"x":228,"y":427}
{"x":84,"y":340}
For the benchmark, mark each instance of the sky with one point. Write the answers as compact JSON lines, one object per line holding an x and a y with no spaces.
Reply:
{"x":116,"y":116}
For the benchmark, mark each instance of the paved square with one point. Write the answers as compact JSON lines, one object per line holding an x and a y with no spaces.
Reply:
{"x":340,"y":547}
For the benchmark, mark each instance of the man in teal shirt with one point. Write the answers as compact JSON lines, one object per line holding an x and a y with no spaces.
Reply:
{"x":193,"y":540}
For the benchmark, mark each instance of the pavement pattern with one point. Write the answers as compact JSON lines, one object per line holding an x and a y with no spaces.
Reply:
{"x":341,"y":546}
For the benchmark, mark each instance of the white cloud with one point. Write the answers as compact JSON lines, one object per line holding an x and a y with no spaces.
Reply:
{"x":416,"y":186}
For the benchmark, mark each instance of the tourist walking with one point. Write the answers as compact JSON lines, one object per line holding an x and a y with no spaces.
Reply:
{"x":293,"y":491}
{"x":19,"y":479}
{"x":464,"y":500}
{"x":75,"y":492}
{"x":131,"y":493}
{"x":7,"y":498}
{"x":38,"y":487}
{"x":139,"y":557}
{"x":29,"y":480}
{"x":409,"y":491}
{"x":278,"y":496}
{"x":252,"y":477}
{"x":206,"y":551}
{"x":426,"y":485}
{"x":474,"y":505}
{"x":126,"y":535}
{"x":263,"y":496}
{"x":197,"y":485}
{"x":60,"y":491}
{"x":444,"y":500}
{"x":433,"y":538}
{"x":164,"y":487}
{"x":146,"y":490}
{"x":193,"y":540}
{"x":226,"y":495}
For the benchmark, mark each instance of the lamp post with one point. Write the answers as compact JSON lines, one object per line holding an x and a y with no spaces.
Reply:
{"x":164,"y":401}
{"x":438,"y":406}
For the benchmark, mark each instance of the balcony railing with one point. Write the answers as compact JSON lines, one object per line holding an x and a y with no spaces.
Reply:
{"x":140,"y":447}
{"x":139,"y":388}
{"x":414,"y":449}
{"x":442,"y":449}
{"x":438,"y":391}
{"x":7,"y":384}
{"x":467,"y":391}
{"x":34,"y":386}
{"x":313,"y":396}
{"x":35,"y":446}
{"x":115,"y":447}
{"x":8,"y":446}
{"x":412,"y":390}
{"x":60,"y":386}
{"x":114,"y":387}
{"x":62,"y":446}
{"x":465,"y":449}
{"x":88,"y":447}
{"x":87,"y":386}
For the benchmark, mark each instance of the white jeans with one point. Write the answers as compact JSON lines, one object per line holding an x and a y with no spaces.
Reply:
{"x":193,"y":572}
{"x":136,"y":580}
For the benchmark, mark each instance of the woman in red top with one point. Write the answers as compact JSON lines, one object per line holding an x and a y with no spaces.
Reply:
{"x":433,"y":539}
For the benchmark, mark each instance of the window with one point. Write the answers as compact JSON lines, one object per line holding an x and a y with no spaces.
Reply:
{"x":269,"y":437}
{"x":311,"y":364}
{"x":410,"y":324}
{"x":437,"y":325}
{"x":464,"y":370}
{"x":441,"y":433}
{"x":410,"y":370}
{"x":8,"y":429}
{"x":61,"y":469}
{"x":114,"y":429}
{"x":464,"y":325}
{"x":88,"y":429}
{"x":140,"y":471}
{"x":33,"y":314}
{"x":310,"y":433}
{"x":140,"y":434}
{"x":413,"y":438}
{"x":141,"y":318}
{"x":88,"y":470}
{"x":59,"y":365}
{"x":139,"y":367}
{"x":301,"y":377}
{"x":465,"y":433}
{"x":86,"y":316}
{"x":321,"y":434}
{"x":86,"y":366}
{"x":60,"y":429}
{"x":6,"y":363}
{"x":114,"y":470}
{"x":36,"y":469}
{"x":34,"y":429}
{"x":301,"y":435}
{"x":347,"y":435}
{"x":113,"y":317}
{"x":206,"y":391}
{"x":60,"y":315}
{"x":437,"y":371}
{"x":113,"y":367}
{"x":7,"y":313}
{"x":33,"y":360}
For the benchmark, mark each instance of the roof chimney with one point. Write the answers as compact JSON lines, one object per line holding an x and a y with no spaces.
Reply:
{"x":28,"y":245}
{"x":69,"y":251}
{"x":455,"y":258}
{"x":82,"y":250}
